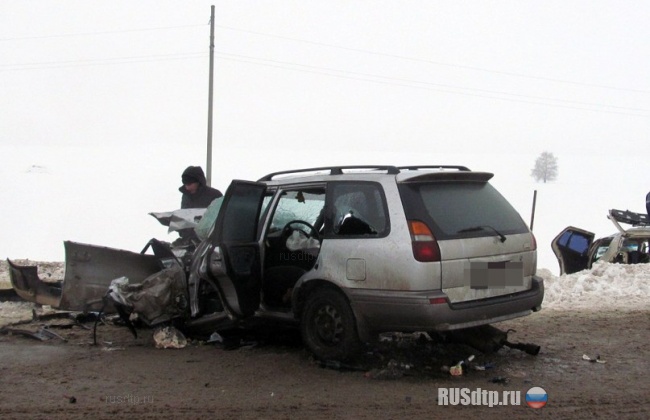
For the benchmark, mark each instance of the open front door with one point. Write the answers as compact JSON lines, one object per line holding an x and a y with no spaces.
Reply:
{"x":234,"y":263}
{"x":571,"y":247}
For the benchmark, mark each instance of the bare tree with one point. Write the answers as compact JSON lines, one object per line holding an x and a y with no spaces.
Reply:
{"x":545,"y":167}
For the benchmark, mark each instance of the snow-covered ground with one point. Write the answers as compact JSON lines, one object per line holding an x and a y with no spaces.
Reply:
{"x":606,"y":286}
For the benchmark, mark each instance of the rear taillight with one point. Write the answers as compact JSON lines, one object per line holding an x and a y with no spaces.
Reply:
{"x":534,"y":242}
{"x":425,"y":246}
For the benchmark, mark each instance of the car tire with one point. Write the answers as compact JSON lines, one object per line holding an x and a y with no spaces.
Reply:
{"x":328,"y":326}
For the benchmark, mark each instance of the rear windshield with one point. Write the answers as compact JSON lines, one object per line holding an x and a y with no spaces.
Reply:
{"x":455,"y":210}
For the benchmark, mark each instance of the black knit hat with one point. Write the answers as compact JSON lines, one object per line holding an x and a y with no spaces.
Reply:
{"x":188,"y":179}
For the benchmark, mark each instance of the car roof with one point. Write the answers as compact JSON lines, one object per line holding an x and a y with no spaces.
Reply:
{"x":416,"y":173}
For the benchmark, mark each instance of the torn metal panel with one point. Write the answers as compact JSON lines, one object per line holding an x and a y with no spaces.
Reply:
{"x":27,"y":284}
{"x":159,"y":298}
{"x":89,"y":270}
{"x":42,"y":334}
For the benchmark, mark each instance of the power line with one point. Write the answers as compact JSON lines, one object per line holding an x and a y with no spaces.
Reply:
{"x":402,"y":80}
{"x":321,"y":70}
{"x":447,"y":90}
{"x":101,"y":61}
{"x":323,"y":44}
{"x":98,"y":33}
{"x":438,"y":63}
{"x":367,"y":77}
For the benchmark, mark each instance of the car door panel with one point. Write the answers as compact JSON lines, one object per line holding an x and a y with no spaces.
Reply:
{"x":235,"y":263}
{"x":571,"y":248}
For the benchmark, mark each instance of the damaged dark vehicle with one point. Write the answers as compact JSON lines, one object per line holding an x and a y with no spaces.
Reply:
{"x":576,"y":249}
{"x":341,"y":253}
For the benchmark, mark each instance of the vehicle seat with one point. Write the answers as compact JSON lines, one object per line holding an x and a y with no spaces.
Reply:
{"x":278,"y":282}
{"x":633,"y":257}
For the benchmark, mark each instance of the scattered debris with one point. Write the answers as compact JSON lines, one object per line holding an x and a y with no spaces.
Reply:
{"x":393,"y":370}
{"x":489,"y":339}
{"x":169,"y":338}
{"x":597,"y":359}
{"x":459,"y":368}
{"x":43,"y":334}
{"x":113,"y":348}
{"x":50,"y":315}
{"x":484,"y":366}
{"x":502,"y":380}
{"x":215,"y":337}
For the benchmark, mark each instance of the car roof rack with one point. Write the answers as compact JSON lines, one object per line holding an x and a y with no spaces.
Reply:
{"x":628,"y":217}
{"x":418,"y":167}
{"x":340,"y":170}
{"x":334,"y":170}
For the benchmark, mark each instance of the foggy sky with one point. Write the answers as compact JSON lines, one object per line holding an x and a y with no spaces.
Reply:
{"x":104,"y":103}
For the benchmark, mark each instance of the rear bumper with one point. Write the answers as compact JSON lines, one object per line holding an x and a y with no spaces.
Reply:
{"x":383,"y":311}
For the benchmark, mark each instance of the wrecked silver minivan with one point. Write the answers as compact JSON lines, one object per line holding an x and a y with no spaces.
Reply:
{"x":342,"y":253}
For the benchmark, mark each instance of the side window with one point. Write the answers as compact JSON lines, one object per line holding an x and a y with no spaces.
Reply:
{"x":305,"y":204}
{"x":574,"y":241}
{"x":357,"y":209}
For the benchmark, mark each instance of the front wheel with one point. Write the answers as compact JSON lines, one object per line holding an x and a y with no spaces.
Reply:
{"x":328,"y":326}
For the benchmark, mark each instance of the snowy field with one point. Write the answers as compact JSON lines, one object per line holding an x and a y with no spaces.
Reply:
{"x":104,"y":198}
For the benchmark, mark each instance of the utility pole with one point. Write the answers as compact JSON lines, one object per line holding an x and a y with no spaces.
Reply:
{"x":532,"y":215}
{"x":210,"y":88}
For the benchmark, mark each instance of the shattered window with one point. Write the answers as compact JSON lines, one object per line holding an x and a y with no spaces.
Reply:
{"x":359,"y":209}
{"x":302,"y":204}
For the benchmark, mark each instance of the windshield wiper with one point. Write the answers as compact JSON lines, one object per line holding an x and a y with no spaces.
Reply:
{"x":502,"y":238}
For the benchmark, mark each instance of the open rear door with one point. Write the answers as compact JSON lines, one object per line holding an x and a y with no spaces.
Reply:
{"x":571,"y":247}
{"x":234,"y":263}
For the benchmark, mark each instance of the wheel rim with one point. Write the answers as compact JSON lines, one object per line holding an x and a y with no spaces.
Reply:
{"x":328,"y":325}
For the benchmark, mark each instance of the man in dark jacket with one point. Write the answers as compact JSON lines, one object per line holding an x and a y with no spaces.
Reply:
{"x":196,"y":194}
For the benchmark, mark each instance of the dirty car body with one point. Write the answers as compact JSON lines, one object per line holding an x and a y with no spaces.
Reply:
{"x":374,"y":249}
{"x":346,"y":253}
{"x":576,"y":249}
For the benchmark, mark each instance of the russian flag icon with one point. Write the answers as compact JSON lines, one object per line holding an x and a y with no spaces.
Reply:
{"x":536,"y":397}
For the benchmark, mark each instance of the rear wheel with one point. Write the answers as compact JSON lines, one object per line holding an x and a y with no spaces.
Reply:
{"x":328,"y":326}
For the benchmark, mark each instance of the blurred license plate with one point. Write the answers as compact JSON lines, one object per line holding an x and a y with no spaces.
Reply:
{"x":495,"y":275}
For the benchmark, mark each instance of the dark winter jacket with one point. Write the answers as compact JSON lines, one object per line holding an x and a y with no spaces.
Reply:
{"x":204,"y":196}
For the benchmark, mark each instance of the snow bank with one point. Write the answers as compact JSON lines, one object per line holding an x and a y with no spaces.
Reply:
{"x":605,"y":286}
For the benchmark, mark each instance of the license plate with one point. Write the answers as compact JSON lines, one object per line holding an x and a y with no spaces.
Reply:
{"x":495,"y":275}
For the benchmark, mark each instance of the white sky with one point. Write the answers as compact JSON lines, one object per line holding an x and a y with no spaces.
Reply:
{"x":108,"y":99}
